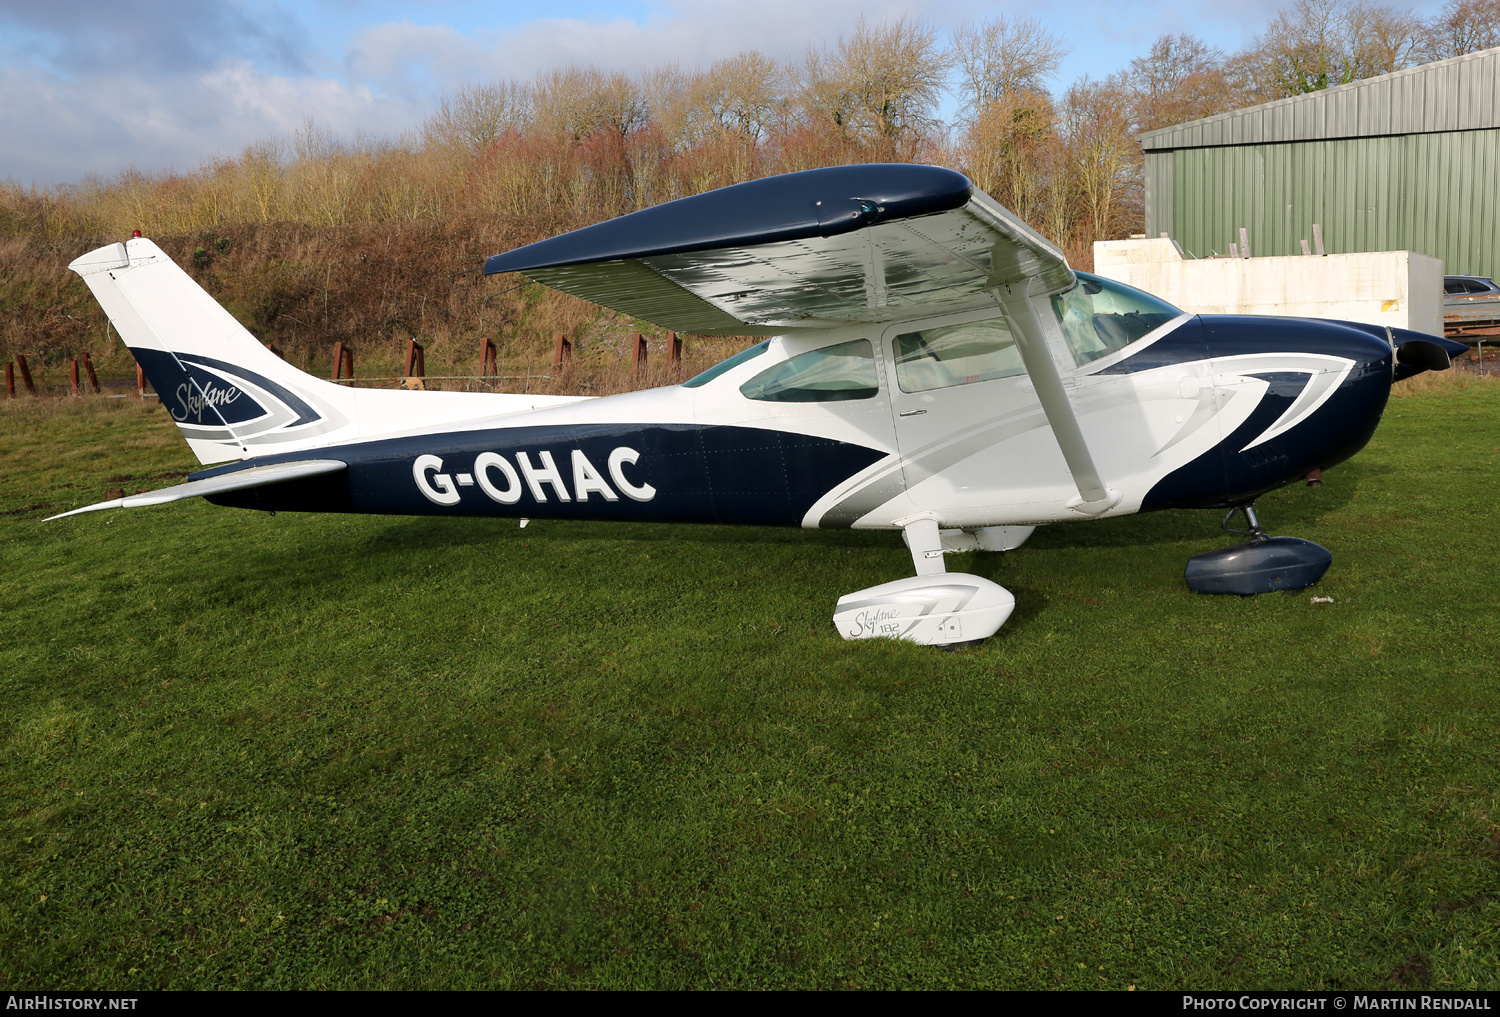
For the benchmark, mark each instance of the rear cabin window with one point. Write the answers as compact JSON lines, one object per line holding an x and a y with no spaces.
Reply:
{"x":1099,"y":316}
{"x":956,"y":355}
{"x":832,"y":374}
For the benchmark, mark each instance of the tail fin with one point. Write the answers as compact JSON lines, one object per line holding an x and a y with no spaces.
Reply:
{"x":232,"y":397}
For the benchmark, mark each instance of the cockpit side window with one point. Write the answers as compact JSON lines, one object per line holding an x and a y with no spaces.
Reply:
{"x":956,"y":355}
{"x":832,"y":374}
{"x":1099,"y":316}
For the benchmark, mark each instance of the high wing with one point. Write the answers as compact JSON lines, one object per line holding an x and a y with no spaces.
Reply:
{"x":870,"y":243}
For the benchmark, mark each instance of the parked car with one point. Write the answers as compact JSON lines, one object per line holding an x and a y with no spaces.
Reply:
{"x":1463,"y":286}
{"x":1471,"y":308}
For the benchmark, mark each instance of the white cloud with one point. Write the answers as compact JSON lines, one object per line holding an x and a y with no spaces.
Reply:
{"x":62,"y":129}
{"x":280,"y":104}
{"x":403,"y":55}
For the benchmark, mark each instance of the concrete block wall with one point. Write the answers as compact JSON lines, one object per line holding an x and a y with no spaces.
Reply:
{"x":1402,"y":289}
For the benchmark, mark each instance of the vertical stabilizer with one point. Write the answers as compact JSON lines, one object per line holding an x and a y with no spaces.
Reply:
{"x":232,"y":397}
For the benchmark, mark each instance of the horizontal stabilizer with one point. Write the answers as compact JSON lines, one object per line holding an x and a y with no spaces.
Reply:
{"x":254,"y":476}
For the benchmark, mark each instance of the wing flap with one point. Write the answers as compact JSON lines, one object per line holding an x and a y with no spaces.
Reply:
{"x":254,"y":476}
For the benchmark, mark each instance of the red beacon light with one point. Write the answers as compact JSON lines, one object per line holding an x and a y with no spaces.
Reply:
{"x":134,"y":234}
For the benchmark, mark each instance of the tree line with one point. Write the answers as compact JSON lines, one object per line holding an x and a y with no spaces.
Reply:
{"x":576,"y":145}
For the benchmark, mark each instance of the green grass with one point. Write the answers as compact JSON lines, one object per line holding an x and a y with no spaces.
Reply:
{"x":243,"y":750}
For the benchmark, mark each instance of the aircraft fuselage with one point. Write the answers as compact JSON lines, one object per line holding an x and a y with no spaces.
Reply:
{"x":1211,"y":411}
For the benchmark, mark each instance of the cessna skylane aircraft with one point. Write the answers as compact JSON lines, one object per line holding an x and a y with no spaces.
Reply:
{"x":932,"y":366}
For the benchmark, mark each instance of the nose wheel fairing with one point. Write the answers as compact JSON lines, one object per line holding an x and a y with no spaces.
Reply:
{"x":1258,"y":566}
{"x":1263,"y":564}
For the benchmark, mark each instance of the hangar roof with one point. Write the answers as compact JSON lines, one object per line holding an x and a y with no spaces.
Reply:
{"x":1458,"y":94}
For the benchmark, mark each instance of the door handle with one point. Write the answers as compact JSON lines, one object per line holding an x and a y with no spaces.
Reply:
{"x":911,"y":413}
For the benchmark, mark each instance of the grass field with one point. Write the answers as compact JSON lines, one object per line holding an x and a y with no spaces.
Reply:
{"x":303,"y":751}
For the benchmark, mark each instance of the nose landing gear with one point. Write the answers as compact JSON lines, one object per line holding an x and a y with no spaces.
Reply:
{"x":1262,"y":564}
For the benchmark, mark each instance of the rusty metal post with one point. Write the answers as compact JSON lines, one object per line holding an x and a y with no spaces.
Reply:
{"x":563,"y":353}
{"x":25,"y":374}
{"x":674,"y":349}
{"x":140,"y":380}
{"x":73,"y":376}
{"x":343,"y":362}
{"x":10,"y":380}
{"x":640,"y":353}
{"x":416,"y":360}
{"x":88,"y":366}
{"x":489,"y":365}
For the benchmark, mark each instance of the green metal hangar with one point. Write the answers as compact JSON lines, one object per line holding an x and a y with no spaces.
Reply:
{"x":1408,"y":161}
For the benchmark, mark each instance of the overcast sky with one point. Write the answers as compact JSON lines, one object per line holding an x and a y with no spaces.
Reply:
{"x":94,"y":86}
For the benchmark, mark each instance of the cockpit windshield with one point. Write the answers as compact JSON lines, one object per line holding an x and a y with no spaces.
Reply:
{"x":1099,"y":316}
{"x":727,"y":365}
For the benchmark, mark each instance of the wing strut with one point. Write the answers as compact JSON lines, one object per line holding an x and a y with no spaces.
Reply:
{"x":1093,"y":496}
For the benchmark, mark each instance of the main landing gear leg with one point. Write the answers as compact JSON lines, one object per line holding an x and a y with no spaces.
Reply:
{"x":1261,"y":564}
{"x":936,"y":607}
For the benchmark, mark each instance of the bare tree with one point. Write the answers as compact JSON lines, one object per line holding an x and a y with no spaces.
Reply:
{"x":881,"y":84}
{"x":261,"y":166}
{"x":1315,"y":44}
{"x":1002,"y":56}
{"x":1383,"y":39}
{"x":473,"y":117}
{"x":1304,"y":48}
{"x":578,"y":101}
{"x":741,"y":94}
{"x":1463,"y":26}
{"x":1181,"y":78}
{"x":621,"y":104}
{"x":1007,"y":150}
{"x":1102,"y":154}
{"x":667,"y":91}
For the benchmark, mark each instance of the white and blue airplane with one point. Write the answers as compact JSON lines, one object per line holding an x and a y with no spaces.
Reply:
{"x":932,"y":366}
